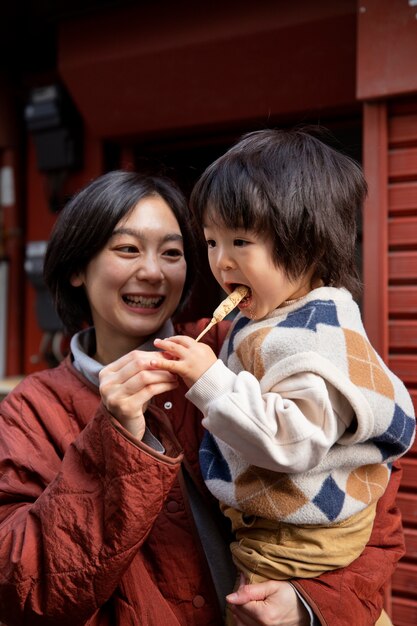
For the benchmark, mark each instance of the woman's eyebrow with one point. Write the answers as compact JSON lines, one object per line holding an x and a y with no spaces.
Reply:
{"x":142,"y":235}
{"x":173,"y":237}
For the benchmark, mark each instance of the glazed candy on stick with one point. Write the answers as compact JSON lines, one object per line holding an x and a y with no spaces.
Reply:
{"x":225,"y":307}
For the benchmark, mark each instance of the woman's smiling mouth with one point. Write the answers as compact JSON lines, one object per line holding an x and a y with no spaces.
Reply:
{"x":144,"y":302}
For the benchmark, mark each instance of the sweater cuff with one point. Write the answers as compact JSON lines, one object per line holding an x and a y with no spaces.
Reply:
{"x":313,"y":619}
{"x":217,"y":380}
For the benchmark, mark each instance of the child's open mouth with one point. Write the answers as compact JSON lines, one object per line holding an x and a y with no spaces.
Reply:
{"x":246,"y":299}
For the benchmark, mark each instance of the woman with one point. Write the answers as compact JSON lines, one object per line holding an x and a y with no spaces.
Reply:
{"x":104,"y":519}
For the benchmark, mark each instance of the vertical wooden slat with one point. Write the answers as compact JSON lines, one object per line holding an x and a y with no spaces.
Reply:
{"x":375,"y":226}
{"x":402,"y":279}
{"x":375,"y":237}
{"x":390,"y":284}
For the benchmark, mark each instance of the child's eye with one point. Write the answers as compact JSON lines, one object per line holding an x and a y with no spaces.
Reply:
{"x":239,"y":243}
{"x":211,"y":243}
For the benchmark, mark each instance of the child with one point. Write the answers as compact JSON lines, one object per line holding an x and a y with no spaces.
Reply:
{"x":304,"y":418}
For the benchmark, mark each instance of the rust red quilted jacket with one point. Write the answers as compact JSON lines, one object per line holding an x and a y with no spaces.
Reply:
{"x":95,"y":529}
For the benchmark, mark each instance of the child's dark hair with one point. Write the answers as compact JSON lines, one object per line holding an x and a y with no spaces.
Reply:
{"x":86,"y":224}
{"x":293,"y":187}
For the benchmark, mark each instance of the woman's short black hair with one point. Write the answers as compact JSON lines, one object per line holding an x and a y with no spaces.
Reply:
{"x":86,"y":224}
{"x":292,"y":187}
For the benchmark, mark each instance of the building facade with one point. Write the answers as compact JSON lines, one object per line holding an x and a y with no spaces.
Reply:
{"x":169,"y":86}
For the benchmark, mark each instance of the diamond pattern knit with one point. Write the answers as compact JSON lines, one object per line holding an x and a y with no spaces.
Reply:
{"x":323,"y":334}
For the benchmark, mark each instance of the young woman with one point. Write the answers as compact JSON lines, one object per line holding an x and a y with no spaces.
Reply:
{"x":104,"y":517}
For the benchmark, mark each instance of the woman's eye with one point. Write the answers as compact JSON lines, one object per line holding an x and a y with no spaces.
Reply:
{"x":128,"y":249}
{"x":174,"y":253}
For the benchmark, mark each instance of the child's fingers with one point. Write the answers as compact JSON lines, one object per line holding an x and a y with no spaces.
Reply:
{"x":168,"y":355}
{"x":170,"y":349}
{"x":167,"y":365}
{"x":171,"y":342}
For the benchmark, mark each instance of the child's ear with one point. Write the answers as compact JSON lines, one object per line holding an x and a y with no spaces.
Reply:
{"x":77,"y":280}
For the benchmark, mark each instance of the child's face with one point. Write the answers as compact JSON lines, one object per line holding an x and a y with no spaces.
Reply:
{"x":243,"y":257}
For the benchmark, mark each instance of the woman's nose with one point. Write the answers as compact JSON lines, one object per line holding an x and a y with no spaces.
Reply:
{"x":149,"y":269}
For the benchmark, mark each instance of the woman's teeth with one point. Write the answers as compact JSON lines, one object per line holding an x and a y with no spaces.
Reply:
{"x":143,"y":302}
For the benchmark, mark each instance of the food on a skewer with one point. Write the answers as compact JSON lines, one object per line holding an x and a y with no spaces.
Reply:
{"x":225,"y":307}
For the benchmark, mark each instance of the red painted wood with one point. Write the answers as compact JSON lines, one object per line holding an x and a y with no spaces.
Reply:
{"x":402,"y":197}
{"x":403,"y":334}
{"x":409,"y":478}
{"x":387,"y":53}
{"x":375,"y":220}
{"x":407,"y":503}
{"x":402,"y":300}
{"x":222,"y":66}
{"x":402,"y":266}
{"x":383,"y":268}
{"x":404,"y":612}
{"x":404,"y":580}
{"x":405,"y":366}
{"x":387,"y":48}
{"x":402,"y":129}
{"x":410,"y":535}
{"x":402,"y":231}
{"x":402,"y":163}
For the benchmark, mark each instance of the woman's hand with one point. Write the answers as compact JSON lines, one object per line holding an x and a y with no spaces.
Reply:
{"x":184,"y":356}
{"x":272,"y":603}
{"x":127,"y":385}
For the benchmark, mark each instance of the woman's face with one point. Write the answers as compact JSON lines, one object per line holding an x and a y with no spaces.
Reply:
{"x":135,"y":283}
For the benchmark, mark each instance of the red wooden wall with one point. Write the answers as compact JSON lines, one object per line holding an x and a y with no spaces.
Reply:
{"x":390,"y":294}
{"x":386,"y":81}
{"x":141,"y":72}
{"x":402,"y":325}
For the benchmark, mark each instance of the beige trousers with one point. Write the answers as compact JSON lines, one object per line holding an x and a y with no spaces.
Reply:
{"x":384,"y":620}
{"x":267,"y":550}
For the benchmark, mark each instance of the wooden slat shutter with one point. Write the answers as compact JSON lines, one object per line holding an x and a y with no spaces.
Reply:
{"x":390,"y":293}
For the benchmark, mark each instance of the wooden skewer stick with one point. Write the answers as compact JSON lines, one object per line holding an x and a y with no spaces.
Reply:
{"x":207,"y":328}
{"x":227,"y":305}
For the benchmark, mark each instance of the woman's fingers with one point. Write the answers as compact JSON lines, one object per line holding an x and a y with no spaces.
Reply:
{"x":126,"y":395}
{"x":267,"y":604}
{"x":127,"y":366}
{"x":139,"y":386}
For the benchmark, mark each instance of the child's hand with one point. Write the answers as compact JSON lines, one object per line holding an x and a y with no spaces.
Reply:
{"x":184,"y":356}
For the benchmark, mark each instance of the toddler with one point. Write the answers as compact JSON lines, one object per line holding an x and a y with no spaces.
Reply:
{"x":303,"y":417}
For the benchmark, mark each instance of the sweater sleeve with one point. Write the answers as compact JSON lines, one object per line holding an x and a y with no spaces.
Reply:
{"x":288,"y":429}
{"x":71,"y":523}
{"x":355,"y":594}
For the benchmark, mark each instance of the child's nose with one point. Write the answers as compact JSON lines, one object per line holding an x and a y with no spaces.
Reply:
{"x":225,"y":261}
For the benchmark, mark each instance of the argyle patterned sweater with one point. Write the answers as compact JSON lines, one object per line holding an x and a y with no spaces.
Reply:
{"x":304,"y":418}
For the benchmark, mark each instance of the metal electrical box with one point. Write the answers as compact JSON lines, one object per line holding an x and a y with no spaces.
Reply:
{"x":46,"y":315}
